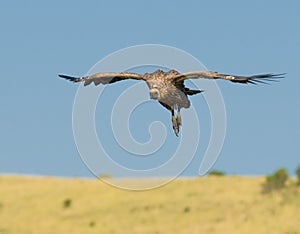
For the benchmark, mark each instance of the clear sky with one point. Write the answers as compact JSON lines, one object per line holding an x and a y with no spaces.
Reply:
{"x":40,"y":39}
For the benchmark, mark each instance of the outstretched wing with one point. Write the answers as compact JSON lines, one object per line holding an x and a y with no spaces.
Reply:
{"x":104,"y":78}
{"x":262,"y":78}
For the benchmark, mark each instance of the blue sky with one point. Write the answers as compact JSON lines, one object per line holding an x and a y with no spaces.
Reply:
{"x":42,"y":39}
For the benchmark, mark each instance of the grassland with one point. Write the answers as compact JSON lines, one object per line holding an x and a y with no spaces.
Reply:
{"x":214,"y":204}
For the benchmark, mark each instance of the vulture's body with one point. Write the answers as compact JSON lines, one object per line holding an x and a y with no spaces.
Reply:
{"x":168,"y":87}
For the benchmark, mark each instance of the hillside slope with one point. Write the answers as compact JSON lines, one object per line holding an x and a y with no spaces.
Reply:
{"x":214,"y":204}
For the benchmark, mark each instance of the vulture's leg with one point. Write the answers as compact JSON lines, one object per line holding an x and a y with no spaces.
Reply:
{"x":174,"y":122}
{"x":178,"y":119}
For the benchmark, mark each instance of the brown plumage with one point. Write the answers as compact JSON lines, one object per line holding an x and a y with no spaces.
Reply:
{"x":168,"y":87}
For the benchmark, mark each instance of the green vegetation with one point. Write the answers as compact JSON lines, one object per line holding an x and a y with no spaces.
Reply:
{"x":92,"y":224}
{"x":298,"y":174}
{"x":67,"y":203}
{"x":275,"y":181}
{"x":213,"y":204}
{"x":186,"y":209}
{"x":216,"y":173}
{"x":105,"y":176}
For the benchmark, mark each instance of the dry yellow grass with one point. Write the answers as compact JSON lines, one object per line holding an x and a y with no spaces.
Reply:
{"x":227,"y":204}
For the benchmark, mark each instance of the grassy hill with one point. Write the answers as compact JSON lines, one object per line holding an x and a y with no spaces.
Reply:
{"x":228,"y":204}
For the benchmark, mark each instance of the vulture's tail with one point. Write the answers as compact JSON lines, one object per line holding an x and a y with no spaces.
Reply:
{"x":193,"y":92}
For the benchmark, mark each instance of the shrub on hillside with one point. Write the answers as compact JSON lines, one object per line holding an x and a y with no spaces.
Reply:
{"x":105,"y":176}
{"x":298,"y":174}
{"x":275,"y":181}
{"x":216,"y":173}
{"x":67,"y":203}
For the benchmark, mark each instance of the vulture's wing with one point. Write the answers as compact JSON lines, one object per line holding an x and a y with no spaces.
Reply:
{"x":104,"y":78}
{"x":262,"y":78}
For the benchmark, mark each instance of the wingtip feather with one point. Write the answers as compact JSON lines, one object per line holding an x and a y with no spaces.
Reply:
{"x":71,"y":78}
